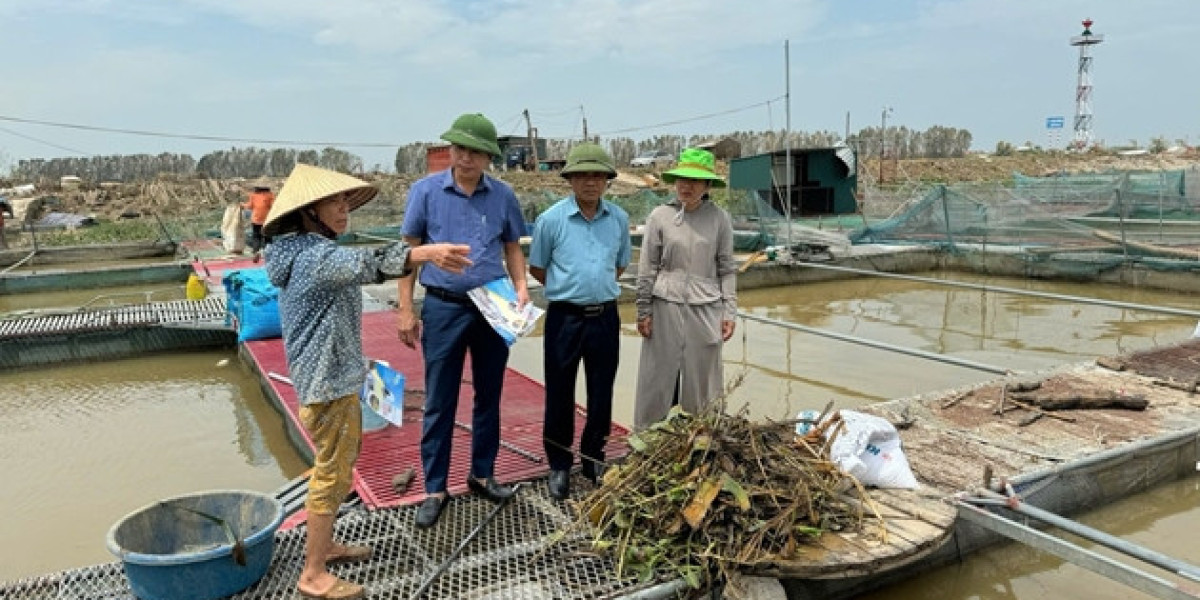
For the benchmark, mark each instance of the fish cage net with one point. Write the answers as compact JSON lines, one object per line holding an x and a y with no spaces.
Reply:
{"x":1068,"y":225}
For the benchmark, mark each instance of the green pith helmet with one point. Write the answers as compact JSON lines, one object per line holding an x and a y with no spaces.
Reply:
{"x":474,"y":131}
{"x":588,"y":158}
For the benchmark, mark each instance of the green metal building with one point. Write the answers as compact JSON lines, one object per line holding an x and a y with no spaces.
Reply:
{"x":824,"y":181}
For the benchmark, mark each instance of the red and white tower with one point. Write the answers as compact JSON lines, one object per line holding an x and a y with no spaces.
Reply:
{"x":1083,"y":89}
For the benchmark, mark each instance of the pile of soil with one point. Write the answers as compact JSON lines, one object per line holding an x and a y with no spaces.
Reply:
{"x":175,"y":197}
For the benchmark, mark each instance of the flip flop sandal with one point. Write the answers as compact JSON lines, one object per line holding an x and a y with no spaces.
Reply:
{"x":341,"y":590}
{"x":351,"y":554}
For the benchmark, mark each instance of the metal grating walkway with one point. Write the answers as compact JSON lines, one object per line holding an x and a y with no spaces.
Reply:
{"x":510,"y":558}
{"x":150,"y":314}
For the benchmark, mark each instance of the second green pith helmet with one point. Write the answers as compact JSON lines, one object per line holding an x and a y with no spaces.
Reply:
{"x":588,"y":158}
{"x":473,"y":131}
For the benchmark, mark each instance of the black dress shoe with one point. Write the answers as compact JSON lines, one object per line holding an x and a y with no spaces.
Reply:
{"x":560,"y":484}
{"x":430,"y":510}
{"x":593,"y":472}
{"x":489,"y":489}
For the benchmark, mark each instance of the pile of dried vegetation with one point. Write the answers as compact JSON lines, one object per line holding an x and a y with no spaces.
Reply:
{"x":711,"y":495}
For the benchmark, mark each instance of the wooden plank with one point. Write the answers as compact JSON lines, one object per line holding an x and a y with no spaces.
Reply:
{"x":926,"y":508}
{"x":901,"y":523}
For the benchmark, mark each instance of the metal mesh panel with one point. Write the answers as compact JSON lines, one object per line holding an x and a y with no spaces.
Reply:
{"x":209,"y":310}
{"x":512,"y":557}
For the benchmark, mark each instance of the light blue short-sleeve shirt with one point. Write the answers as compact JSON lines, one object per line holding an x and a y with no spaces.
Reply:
{"x":581,"y":257}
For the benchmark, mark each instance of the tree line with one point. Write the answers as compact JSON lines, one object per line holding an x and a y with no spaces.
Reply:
{"x":246,"y":163}
{"x":251,"y":162}
{"x":900,"y":142}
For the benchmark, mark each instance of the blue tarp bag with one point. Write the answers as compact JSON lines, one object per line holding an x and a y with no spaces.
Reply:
{"x":252,"y":304}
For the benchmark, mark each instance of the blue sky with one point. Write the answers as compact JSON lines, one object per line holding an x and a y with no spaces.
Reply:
{"x":398,"y":71}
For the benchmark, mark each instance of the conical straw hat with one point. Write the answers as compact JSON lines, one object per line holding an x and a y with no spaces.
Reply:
{"x":308,"y":185}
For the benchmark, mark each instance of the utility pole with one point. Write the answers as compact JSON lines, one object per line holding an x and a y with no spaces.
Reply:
{"x":887,"y":110}
{"x":855,"y":147}
{"x":787,"y":133}
{"x":584,"y":116}
{"x":531,"y":135}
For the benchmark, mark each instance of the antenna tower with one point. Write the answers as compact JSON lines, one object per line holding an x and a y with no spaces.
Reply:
{"x":1083,"y":89}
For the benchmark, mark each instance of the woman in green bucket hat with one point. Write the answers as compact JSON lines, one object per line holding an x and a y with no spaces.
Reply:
{"x":686,"y":294}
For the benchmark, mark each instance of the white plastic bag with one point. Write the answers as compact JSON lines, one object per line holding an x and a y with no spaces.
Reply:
{"x":233,"y":229}
{"x":868,"y":448}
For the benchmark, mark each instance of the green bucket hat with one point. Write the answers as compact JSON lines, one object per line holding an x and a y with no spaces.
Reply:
{"x":473,"y":131}
{"x":588,"y":158}
{"x":695,"y":163}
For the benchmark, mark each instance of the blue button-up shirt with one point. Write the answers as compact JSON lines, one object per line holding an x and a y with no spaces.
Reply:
{"x":438,"y":211}
{"x":581,"y":257}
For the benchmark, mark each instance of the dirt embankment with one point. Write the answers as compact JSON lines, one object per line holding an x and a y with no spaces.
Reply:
{"x":177,"y":198}
{"x":1001,"y":168}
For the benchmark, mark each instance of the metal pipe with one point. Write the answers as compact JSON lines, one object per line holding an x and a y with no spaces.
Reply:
{"x":19,"y":262}
{"x":1151,"y":584}
{"x":671,"y":589}
{"x":1157,"y":559}
{"x":1103,"y":458}
{"x":376,"y":237}
{"x":463,"y":544}
{"x":1166,"y":310}
{"x":960,"y":362}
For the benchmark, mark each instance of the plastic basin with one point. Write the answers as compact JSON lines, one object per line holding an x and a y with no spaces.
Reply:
{"x":172,"y":553}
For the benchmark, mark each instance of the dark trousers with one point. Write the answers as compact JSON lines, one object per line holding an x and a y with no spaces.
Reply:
{"x":451,"y":328}
{"x":257,"y":241}
{"x":573,"y":335}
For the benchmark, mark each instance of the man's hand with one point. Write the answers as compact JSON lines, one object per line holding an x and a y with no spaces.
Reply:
{"x":448,"y":257}
{"x":644,"y":326}
{"x":408,"y":327}
{"x":727,"y":330}
{"x":522,"y":297}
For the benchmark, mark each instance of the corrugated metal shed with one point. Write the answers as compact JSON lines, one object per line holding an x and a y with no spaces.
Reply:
{"x":823,"y":180}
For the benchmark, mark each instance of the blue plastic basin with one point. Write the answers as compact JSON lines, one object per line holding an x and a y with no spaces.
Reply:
{"x":171,"y":553}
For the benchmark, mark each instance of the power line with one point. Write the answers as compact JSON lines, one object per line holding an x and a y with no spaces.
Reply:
{"x":41,"y":141}
{"x":217,"y":138}
{"x":766,"y":103}
{"x":187,"y":136}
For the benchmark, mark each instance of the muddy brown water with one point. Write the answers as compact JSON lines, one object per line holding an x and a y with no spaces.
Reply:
{"x":84,"y":445}
{"x":89,"y":443}
{"x":95,"y":298}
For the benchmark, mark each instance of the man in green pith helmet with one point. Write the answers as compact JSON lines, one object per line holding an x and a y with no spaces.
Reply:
{"x":580,"y":247}
{"x":466,"y":205}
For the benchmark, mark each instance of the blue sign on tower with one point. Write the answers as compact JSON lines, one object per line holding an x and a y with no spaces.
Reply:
{"x":1055,"y":122}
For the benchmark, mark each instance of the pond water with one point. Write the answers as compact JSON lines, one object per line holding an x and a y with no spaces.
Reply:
{"x":84,"y":445}
{"x":90,"y":443}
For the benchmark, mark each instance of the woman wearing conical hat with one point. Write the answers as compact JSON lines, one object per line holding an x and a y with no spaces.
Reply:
{"x":686,"y":294}
{"x":320,"y":308}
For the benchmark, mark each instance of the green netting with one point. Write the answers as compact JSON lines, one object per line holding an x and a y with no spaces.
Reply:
{"x":1135,"y":194}
{"x":1076,"y":225}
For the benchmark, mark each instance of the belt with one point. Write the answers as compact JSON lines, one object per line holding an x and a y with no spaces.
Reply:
{"x":586,"y":310}
{"x":448,"y":295}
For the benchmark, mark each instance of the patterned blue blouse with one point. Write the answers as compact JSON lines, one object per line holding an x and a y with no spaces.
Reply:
{"x":320,"y":308}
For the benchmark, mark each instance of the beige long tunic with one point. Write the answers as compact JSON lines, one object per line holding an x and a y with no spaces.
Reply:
{"x":687,"y":283}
